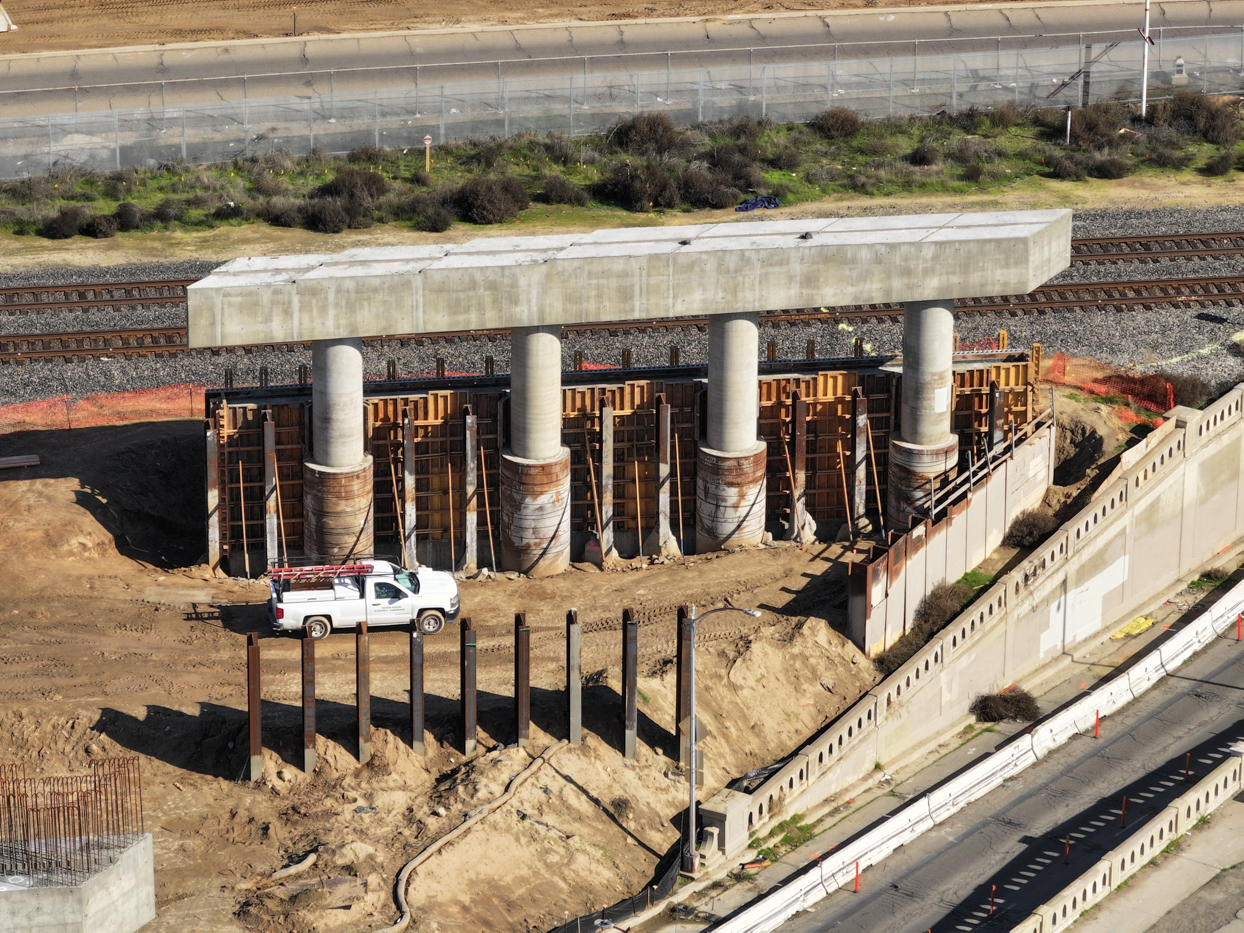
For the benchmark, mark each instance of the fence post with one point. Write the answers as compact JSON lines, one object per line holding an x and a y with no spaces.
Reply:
{"x":376,"y":104}
{"x":954,"y":83}
{"x":637,"y":93}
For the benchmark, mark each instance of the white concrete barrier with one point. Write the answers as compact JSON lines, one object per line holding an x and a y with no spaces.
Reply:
{"x":925,"y":811}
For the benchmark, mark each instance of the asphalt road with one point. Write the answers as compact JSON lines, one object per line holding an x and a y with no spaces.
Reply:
{"x":1013,"y":838}
{"x":61,"y":82}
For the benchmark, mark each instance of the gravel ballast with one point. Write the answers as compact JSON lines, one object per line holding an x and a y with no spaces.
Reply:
{"x":1171,"y":339}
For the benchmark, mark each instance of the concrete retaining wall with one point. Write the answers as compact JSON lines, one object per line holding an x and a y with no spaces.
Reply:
{"x":883,"y":594}
{"x":120,"y":899}
{"x":1173,"y":504}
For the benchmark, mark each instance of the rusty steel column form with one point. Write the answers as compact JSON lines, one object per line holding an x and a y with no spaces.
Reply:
{"x":418,"y":710}
{"x":308,"y":702}
{"x":682,"y":685}
{"x":996,"y":414}
{"x":630,"y":683}
{"x":362,"y":689}
{"x":337,"y":478}
{"x":408,"y":490}
{"x":730,"y":469}
{"x":271,"y":534}
{"x":522,"y":680}
{"x":574,"y":677}
{"x":468,"y":700}
{"x":470,"y":492}
{"x":212,"y":438}
{"x":666,"y":543}
{"x":859,"y":461}
{"x":254,"y":706}
{"x":535,"y":469}
{"x":802,"y":525}
{"x":923,"y":451}
{"x":606,"y":482}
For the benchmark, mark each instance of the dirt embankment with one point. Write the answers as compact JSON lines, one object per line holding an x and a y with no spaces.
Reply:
{"x":114,"y":640}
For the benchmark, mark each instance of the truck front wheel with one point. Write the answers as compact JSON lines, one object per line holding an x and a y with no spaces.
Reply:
{"x":431,"y":621}
{"x":318,"y":627}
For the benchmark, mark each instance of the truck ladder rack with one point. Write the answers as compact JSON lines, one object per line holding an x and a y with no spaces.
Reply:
{"x":323,"y":572}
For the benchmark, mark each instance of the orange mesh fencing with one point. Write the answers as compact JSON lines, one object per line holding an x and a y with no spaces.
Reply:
{"x":1143,"y":389}
{"x":163,"y":404}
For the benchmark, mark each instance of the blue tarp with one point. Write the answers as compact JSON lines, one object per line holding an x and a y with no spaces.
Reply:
{"x":752,"y":203}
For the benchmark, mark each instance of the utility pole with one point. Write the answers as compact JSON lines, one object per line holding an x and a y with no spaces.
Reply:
{"x":1144,"y":68}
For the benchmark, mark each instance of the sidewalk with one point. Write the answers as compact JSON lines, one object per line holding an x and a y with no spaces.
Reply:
{"x":858,"y":806}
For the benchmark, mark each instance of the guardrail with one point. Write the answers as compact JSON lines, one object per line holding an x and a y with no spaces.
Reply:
{"x":921,"y":813}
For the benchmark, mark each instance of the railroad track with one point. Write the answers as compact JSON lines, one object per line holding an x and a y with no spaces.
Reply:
{"x":28,"y":300}
{"x":1109,"y":250}
{"x":1050,"y":299}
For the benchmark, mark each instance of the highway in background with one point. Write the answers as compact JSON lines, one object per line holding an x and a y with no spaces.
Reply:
{"x":108,"y":79}
{"x":1014,"y":838}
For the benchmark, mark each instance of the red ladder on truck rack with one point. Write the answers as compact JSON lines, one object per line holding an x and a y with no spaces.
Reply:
{"x":323,"y":572}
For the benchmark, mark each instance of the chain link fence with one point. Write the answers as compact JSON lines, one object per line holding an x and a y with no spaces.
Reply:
{"x":577,"y":105}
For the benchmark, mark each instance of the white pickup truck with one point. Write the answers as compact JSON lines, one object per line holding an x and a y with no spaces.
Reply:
{"x":320,"y":599}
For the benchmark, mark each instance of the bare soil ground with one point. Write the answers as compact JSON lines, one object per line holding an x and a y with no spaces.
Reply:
{"x":114,"y":640}
{"x":49,"y":26}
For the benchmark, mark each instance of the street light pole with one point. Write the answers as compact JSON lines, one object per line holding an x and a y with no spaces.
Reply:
{"x":691,"y":858}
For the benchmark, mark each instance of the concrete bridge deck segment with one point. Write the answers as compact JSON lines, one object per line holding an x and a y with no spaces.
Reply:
{"x":627,"y":274}
{"x":727,"y":272}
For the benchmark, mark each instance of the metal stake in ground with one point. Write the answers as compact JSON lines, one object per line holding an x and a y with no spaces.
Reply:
{"x":308,"y":702}
{"x":466,"y":679}
{"x":416,"y":689}
{"x":253,"y":708}
{"x":522,"y":680}
{"x":362,"y":689}
{"x":630,"y":682}
{"x":574,"y":676}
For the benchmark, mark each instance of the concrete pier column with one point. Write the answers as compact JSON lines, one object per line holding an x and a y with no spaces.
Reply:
{"x":337,"y":479}
{"x":924,"y":451}
{"x":535,"y":469}
{"x":730,"y":473}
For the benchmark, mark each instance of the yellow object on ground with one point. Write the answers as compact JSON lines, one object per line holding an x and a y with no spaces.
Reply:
{"x":1135,"y":627}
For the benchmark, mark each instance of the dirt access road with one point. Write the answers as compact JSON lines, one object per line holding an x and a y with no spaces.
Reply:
{"x":49,"y":26}
{"x":115,"y":640}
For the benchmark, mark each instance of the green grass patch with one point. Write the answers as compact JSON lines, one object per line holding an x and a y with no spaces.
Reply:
{"x":977,"y":580}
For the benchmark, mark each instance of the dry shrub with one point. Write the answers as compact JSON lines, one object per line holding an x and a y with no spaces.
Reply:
{"x":1217,"y":575}
{"x":786,"y":159}
{"x":1220,"y":164}
{"x":367,"y":155}
{"x":973,"y":172}
{"x":642,"y":187}
{"x":923,"y":155}
{"x":1169,"y":158}
{"x":940,"y":605}
{"x":558,"y":189}
{"x":968,"y":151}
{"x":326,"y":215}
{"x":1111,"y":167}
{"x":647,"y":134}
{"x":354,"y":184}
{"x":488,"y":200}
{"x":559,"y":148}
{"x":276,"y":161}
{"x":1015,"y":704}
{"x":269,"y":186}
{"x":836,"y":123}
{"x":169,"y":210}
{"x":30,"y":190}
{"x":1193,"y":113}
{"x":65,"y":223}
{"x":232,"y":210}
{"x":825,"y":174}
{"x":282,"y":212}
{"x":733,"y":165}
{"x":100,"y":226}
{"x":1097,"y":125}
{"x":1067,"y":169}
{"x":1029,"y":528}
{"x":131,"y":217}
{"x":434,"y":219}
{"x":1188,"y":389}
{"x":704,"y":189}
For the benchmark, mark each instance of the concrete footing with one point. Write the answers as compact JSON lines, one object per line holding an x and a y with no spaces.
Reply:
{"x":535,"y":514}
{"x":120,"y":899}
{"x":730,"y":498}
{"x":337,"y":512}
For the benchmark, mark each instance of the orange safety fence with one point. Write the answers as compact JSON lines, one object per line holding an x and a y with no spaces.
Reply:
{"x":1143,"y":389}
{"x":162,"y":404}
